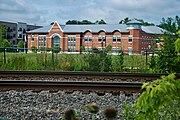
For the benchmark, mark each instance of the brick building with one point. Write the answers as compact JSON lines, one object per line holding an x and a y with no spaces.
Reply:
{"x":129,"y":37}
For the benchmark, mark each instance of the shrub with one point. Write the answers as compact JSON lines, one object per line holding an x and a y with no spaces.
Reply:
{"x":93,"y":108}
{"x":161,"y":99}
{"x":34,"y":49}
{"x":20,"y":44}
{"x":57,"y":49}
{"x":110,"y":113}
{"x":70,"y":114}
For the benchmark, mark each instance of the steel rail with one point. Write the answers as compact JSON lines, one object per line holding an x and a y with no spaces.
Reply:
{"x":69,"y":86}
{"x":82,"y":73}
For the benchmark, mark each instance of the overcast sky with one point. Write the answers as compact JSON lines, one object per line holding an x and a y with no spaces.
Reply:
{"x":43,"y":12}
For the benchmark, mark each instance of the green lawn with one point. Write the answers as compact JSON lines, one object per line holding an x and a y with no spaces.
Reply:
{"x":72,"y":62}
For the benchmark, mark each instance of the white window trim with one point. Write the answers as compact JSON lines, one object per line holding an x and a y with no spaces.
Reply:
{"x":38,"y":40}
{"x":117,"y":38}
{"x":88,"y":37}
{"x":131,"y":37}
{"x":54,"y":34}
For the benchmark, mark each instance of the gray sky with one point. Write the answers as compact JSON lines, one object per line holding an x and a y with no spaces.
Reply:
{"x":43,"y":12}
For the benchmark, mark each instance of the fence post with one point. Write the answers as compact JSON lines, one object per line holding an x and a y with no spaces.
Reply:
{"x":53,"y":57}
{"x":4,"y":55}
{"x":146,"y":58}
{"x":26,"y":50}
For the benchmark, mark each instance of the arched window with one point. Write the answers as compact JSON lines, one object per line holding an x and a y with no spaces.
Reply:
{"x":56,"y":41}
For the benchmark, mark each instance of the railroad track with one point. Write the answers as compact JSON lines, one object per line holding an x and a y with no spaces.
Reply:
{"x":79,"y":76}
{"x":72,"y":81}
{"x":69,"y":86}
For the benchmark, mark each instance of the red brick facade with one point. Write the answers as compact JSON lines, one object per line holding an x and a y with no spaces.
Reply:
{"x":73,"y":41}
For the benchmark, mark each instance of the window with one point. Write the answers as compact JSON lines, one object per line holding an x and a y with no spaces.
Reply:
{"x":20,"y":36}
{"x":87,"y":38}
{"x":20,"y":29}
{"x":104,"y":38}
{"x":113,"y":50}
{"x":88,"y":49}
{"x":56,"y":41}
{"x":130,"y":38}
{"x":14,"y":28}
{"x":157,"y":41}
{"x":41,"y":41}
{"x":8,"y":29}
{"x":32,"y":39}
{"x":101,"y":38}
{"x":90,"y":38}
{"x":116,"y":38}
{"x":71,"y":43}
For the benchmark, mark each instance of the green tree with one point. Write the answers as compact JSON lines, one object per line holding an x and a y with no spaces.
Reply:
{"x":125,"y":20}
{"x":160,"y":100}
{"x":118,"y":62}
{"x":177,"y":43}
{"x":2,"y":32}
{"x":86,"y":22}
{"x":57,"y":49}
{"x":168,"y":61}
{"x":82,"y":49}
{"x":166,"y":57}
{"x":100,"y":22}
{"x":5,"y":43}
{"x":79,"y":22}
{"x":72,"y":22}
{"x":105,"y":62}
{"x":144,"y":23}
{"x":109,"y":48}
{"x":171,"y":24}
{"x":20,"y":44}
{"x":34,"y":49}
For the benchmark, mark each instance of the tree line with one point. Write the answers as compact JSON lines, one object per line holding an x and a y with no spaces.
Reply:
{"x":72,"y":22}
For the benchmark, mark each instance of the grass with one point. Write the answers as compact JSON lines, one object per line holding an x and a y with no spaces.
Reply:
{"x":70,"y":62}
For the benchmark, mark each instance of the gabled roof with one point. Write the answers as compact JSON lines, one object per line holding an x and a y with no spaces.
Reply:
{"x":152,"y":29}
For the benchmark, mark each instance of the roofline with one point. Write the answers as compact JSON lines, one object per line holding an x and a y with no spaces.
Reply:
{"x":94,"y":32}
{"x":58,"y":26}
{"x":35,"y":32}
{"x":9,"y":22}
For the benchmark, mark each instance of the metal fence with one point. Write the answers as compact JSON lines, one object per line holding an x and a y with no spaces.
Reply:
{"x":51,"y":59}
